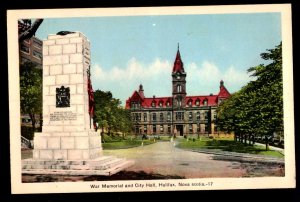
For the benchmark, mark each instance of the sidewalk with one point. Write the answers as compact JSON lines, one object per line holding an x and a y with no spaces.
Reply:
{"x":271,"y":147}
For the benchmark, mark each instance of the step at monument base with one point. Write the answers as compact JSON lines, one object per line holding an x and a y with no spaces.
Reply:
{"x":105,"y":165}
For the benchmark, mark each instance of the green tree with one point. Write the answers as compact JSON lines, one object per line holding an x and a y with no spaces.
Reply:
{"x":31,"y":91}
{"x":257,"y":109}
{"x":109,"y":113}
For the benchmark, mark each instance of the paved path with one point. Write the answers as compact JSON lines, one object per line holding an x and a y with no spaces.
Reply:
{"x":163,"y":158}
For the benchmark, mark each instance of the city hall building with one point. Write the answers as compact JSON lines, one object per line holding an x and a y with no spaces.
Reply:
{"x":178,"y":114}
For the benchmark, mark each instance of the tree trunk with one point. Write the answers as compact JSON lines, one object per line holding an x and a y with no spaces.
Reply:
{"x":267,"y":143}
{"x":32,"y":117}
{"x":31,"y":31}
{"x":102,"y":134}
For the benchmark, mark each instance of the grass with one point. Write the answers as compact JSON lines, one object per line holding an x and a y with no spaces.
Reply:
{"x":226,"y":145}
{"x":118,"y":142}
{"x":125,"y":144}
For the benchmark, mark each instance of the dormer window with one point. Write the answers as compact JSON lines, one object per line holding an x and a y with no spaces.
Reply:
{"x":205,"y":102}
{"x":160,"y":104}
{"x":168,"y":104}
{"x":197,"y":102}
{"x":190,"y":103}
{"x":153,"y":104}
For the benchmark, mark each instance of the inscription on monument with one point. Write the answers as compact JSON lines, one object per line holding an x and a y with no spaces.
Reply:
{"x":63,"y":116}
{"x":63,"y":97}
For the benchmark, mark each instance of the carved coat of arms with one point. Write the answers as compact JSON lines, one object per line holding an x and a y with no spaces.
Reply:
{"x":63,"y":97}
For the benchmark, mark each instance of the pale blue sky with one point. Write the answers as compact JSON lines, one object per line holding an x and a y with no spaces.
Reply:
{"x":127,"y":51}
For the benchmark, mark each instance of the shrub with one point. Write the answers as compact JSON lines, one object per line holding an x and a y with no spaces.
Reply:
{"x":27,"y":132}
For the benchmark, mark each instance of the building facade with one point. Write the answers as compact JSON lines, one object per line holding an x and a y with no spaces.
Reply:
{"x":179,"y":114}
{"x":31,"y":50}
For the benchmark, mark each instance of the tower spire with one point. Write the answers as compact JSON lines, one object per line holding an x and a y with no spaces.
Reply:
{"x":178,"y":64}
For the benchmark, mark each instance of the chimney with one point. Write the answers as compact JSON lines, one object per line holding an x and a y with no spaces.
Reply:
{"x":221,"y":84}
{"x":141,"y":91}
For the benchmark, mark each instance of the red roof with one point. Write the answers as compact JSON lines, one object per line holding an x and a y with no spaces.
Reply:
{"x":178,"y":64}
{"x":223,"y":92}
{"x":212,"y":100}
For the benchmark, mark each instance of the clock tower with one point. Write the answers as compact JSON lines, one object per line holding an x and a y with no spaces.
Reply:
{"x":178,"y":82}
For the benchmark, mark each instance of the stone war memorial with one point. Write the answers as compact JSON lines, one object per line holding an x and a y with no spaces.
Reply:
{"x":68,"y":143}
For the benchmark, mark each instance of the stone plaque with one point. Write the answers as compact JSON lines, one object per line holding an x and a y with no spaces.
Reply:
{"x":63,"y":97}
{"x":63,"y":116}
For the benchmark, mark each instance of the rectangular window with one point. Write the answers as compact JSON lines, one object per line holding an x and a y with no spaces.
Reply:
{"x":169,"y":116}
{"x":169,"y":128}
{"x":25,"y":49}
{"x":206,"y":115}
{"x":154,"y":128}
{"x":179,"y":116}
{"x":145,"y":128}
{"x":161,"y":116}
{"x":198,"y":128}
{"x":216,"y":128}
{"x":136,"y":129}
{"x":190,"y":116}
{"x":154,"y":117}
{"x":206,"y":128}
{"x":215,"y":115}
{"x":37,"y":44}
{"x":145,"y":117}
{"x":198,"y":116}
{"x":161,"y":128}
{"x":190,"y":128}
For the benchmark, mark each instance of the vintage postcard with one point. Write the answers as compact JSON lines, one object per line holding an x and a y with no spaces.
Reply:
{"x":151,"y":99}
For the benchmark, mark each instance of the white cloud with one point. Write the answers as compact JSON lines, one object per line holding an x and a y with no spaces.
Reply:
{"x":122,"y":81}
{"x":205,"y":78}
{"x":156,"y":78}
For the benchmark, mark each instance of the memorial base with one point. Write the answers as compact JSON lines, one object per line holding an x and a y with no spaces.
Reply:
{"x":67,"y":145}
{"x":105,"y":165}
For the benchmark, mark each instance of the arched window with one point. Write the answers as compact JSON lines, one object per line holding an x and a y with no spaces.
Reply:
{"x":179,"y":88}
{"x":205,"y":102}
{"x":197,"y":102}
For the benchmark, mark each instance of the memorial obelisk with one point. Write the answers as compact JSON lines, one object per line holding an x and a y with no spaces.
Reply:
{"x":67,"y":131}
{"x":68,"y":140}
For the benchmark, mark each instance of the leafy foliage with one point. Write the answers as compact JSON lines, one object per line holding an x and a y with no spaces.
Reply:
{"x":257,"y":109}
{"x":109,"y":113}
{"x":31,"y":91}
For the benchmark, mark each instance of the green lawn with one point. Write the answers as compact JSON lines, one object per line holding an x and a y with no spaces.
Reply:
{"x":118,"y":142}
{"x":225,"y":145}
{"x":125,"y":144}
